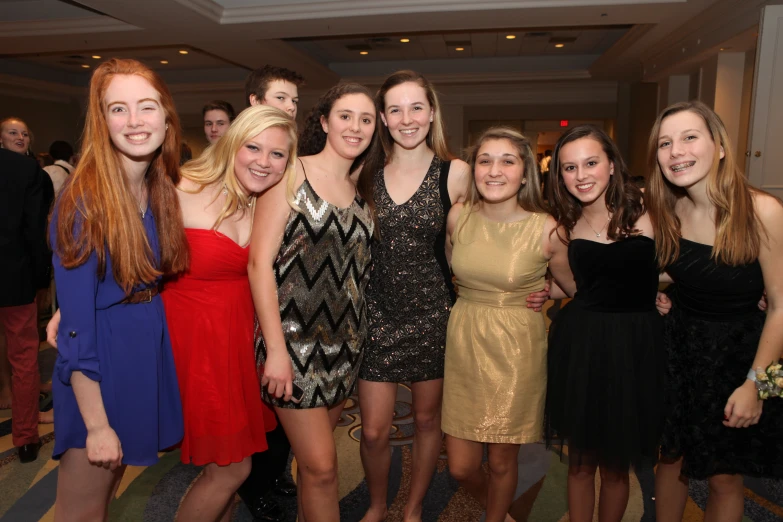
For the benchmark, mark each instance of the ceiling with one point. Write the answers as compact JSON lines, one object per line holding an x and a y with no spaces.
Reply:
{"x":50,"y":44}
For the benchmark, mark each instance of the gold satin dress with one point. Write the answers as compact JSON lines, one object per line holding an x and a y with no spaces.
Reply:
{"x":494,"y":386}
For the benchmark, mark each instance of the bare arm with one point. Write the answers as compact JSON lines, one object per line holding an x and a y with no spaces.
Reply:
{"x":271,"y":216}
{"x":451,"y":224}
{"x":744,"y":407}
{"x":459,"y":180}
{"x":557,"y":253}
{"x":103,"y":446}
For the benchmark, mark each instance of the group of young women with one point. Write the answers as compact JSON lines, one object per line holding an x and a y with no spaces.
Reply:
{"x":342,"y":244}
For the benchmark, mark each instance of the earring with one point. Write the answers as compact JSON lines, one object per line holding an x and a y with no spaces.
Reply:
{"x":225,"y":190}
{"x":167,"y":126}
{"x":430,"y":119}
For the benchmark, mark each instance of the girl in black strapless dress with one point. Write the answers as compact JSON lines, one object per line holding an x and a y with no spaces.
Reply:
{"x":717,"y":428}
{"x":606,"y":355}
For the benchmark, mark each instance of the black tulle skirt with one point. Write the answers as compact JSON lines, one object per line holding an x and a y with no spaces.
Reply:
{"x":708,"y":360}
{"x":605,"y":386}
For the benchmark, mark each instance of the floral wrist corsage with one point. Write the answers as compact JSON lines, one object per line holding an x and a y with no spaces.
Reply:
{"x":769,"y":382}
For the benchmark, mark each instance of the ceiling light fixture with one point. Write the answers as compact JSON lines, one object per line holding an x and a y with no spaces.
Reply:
{"x":183,"y":51}
{"x":97,"y":57}
{"x":459,"y":49}
{"x":85,"y":66}
{"x":559,"y":46}
{"x":405,"y":40}
{"x":164,"y":62}
{"x":510,"y":36}
{"x":364,"y":52}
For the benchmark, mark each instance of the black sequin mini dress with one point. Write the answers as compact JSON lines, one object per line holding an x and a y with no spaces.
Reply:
{"x":409,"y":296}
{"x":322,"y":270}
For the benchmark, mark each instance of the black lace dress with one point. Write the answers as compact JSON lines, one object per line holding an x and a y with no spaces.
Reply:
{"x":606,"y":361}
{"x":712,"y":335}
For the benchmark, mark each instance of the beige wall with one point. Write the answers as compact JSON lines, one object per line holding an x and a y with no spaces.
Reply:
{"x":643,"y":111}
{"x":48,"y":120}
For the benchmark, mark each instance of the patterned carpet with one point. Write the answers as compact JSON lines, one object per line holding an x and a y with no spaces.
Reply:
{"x":152,"y":494}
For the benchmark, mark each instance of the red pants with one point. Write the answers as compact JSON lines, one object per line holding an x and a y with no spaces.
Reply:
{"x":21,"y":333}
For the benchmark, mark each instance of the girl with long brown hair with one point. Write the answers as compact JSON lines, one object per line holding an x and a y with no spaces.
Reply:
{"x":606,"y":360}
{"x":309,"y":266}
{"x":115,"y":231}
{"x":721,"y":241}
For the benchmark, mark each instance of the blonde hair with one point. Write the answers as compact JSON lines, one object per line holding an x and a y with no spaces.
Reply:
{"x":216,"y":163}
{"x":529,"y":196}
{"x":737,"y":228}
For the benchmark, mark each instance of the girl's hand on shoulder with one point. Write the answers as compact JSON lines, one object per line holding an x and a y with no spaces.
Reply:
{"x":744,"y":407}
{"x":103,"y":447}
{"x":278,"y":374}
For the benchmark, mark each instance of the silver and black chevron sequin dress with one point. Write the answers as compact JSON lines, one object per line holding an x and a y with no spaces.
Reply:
{"x":408,"y":297}
{"x":322,"y":270}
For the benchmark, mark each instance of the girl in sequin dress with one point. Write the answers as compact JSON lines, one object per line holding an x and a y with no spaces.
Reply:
{"x":309,"y":266}
{"x":409,"y":296}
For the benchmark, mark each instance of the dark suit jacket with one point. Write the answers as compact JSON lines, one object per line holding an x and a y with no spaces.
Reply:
{"x":26,"y":194}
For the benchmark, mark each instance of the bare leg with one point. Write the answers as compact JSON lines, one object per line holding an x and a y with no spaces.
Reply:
{"x":5,"y":373}
{"x":83,"y":490}
{"x":502,"y":480}
{"x":671,"y":491}
{"x":726,"y":502}
{"x":427,"y":441}
{"x":615,"y":487}
{"x":376,"y":401}
{"x":581,"y":492}
{"x":310,"y":434}
{"x":465,"y":466}
{"x":213,"y":492}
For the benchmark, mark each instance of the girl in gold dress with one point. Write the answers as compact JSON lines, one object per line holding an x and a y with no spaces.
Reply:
{"x":495,"y":376}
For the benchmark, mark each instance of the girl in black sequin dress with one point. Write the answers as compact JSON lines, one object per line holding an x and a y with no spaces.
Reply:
{"x":721,"y":242}
{"x":309,"y":266}
{"x":410,"y":295}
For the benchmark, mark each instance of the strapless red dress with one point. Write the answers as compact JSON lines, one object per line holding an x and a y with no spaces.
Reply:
{"x":210,"y":316}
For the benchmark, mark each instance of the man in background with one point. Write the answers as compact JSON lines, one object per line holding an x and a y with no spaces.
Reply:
{"x":61,"y":152}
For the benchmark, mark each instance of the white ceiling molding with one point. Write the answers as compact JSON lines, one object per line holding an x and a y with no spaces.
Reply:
{"x":282,"y":11}
{"x":470,"y":78}
{"x":64,"y":26}
{"x":701,"y":37}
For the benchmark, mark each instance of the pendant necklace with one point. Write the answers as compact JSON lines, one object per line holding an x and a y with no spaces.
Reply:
{"x":142,"y":211}
{"x":598,"y":233}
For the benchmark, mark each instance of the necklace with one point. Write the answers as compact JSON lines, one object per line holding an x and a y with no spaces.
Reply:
{"x":142,"y":210}
{"x":598,"y":233}
{"x":240,"y":206}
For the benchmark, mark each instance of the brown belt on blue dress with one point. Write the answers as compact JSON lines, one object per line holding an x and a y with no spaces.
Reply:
{"x":142,"y":296}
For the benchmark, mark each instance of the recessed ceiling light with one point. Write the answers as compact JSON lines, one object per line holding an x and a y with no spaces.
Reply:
{"x":183,"y":51}
{"x":164,"y":62}
{"x":364,"y":52}
{"x":97,"y":57}
{"x":85,"y":66}
{"x":405,"y":40}
{"x":559,"y":45}
{"x":510,"y":36}
{"x":459,"y":49}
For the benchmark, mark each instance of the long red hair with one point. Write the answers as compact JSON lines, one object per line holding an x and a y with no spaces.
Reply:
{"x":96,"y":209}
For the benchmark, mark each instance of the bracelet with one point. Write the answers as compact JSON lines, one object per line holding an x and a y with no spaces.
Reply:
{"x":769,"y":381}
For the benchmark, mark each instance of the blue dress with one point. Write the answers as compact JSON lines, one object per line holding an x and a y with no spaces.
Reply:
{"x":126,"y":348}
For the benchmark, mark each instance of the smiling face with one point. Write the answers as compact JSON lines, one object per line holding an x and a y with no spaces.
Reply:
{"x":15,"y":136}
{"x":281,"y":94}
{"x":261,"y":161}
{"x":408,"y":114}
{"x":586,"y":169}
{"x":499,"y":171}
{"x":350,"y":125}
{"x":216,"y":123}
{"x":135,"y":118}
{"x":686,"y":150}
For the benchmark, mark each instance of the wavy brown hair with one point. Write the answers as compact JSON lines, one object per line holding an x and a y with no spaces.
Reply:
{"x":96,"y":211}
{"x":738,"y":230}
{"x":623,"y":198}
{"x":312,"y":140}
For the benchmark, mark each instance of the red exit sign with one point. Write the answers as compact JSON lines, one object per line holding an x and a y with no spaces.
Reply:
{"x":564,"y":123}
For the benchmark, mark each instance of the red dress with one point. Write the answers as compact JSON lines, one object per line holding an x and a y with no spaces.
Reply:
{"x":210,"y":316}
